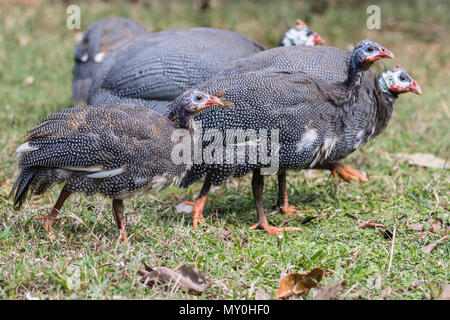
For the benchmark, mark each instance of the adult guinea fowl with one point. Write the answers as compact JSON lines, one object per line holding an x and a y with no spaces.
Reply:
{"x":101,"y":38}
{"x":312,"y":132}
{"x":291,"y":78}
{"x":155,"y":69}
{"x":118,"y":151}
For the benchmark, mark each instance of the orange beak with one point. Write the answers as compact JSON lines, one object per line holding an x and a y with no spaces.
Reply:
{"x":213,"y":101}
{"x":415,"y":87}
{"x":384,"y":53}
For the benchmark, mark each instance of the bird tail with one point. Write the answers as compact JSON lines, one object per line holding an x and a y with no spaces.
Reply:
{"x":21,"y":187}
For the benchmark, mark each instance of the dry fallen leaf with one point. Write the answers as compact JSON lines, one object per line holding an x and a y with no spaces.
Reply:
{"x":432,"y":246}
{"x":226,"y":234}
{"x":183,"y":277}
{"x":369,"y":224}
{"x":445,"y":294}
{"x":436,"y":225}
{"x":331,"y":291}
{"x":296,"y":283}
{"x":423,"y":160}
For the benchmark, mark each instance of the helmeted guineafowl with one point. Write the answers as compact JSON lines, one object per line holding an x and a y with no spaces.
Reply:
{"x":115,"y":150}
{"x":312,"y":130}
{"x":101,"y":38}
{"x":300,"y":77}
{"x":301,"y":35}
{"x":155,"y":69}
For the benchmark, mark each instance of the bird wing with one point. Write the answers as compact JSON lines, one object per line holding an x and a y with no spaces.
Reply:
{"x":92,"y":138}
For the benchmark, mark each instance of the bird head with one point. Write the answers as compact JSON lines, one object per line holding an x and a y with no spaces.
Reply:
{"x":195,"y":101}
{"x":190,"y":103}
{"x":301,"y":35}
{"x":399,"y":81}
{"x":367,"y":52}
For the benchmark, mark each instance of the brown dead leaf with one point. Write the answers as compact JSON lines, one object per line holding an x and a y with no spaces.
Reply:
{"x":261,"y":294}
{"x":331,"y":291}
{"x":417,"y":226}
{"x":300,"y":284}
{"x":427,"y":249}
{"x":436,"y":225}
{"x":386,"y":233}
{"x":184,"y":277}
{"x":423,"y":160}
{"x":226,"y":234}
{"x":369,"y":224}
{"x":445,"y":294}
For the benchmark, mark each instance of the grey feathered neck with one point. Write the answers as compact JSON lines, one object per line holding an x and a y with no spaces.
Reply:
{"x":385,"y":101}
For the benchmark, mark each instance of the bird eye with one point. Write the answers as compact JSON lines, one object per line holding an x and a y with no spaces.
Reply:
{"x":309,"y":33}
{"x":370,"y":49}
{"x":402,"y":77}
{"x":198,"y":97}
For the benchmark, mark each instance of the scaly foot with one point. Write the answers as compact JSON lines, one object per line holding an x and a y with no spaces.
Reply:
{"x":48,"y":222}
{"x":271,"y":229}
{"x":197,"y":212}
{"x":347,"y":173}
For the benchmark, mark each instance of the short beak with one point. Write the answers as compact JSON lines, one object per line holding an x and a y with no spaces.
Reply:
{"x":384,"y":53}
{"x":415,"y":87}
{"x":213,"y":101}
{"x":318,"y":39}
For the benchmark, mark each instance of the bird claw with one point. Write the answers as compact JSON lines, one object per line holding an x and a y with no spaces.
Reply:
{"x":348,"y":174}
{"x":48,"y":222}
{"x":271,"y":229}
{"x":197,"y":211}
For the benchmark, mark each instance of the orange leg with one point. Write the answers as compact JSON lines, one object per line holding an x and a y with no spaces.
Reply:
{"x":50,"y":218}
{"x":257,"y":186}
{"x":199,"y":204}
{"x":117,"y":208}
{"x":271,"y":229}
{"x":283,"y":201}
{"x":197,"y":212}
{"x":347,"y":173}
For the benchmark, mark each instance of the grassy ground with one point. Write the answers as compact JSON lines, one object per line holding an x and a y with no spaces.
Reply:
{"x":87,"y":262}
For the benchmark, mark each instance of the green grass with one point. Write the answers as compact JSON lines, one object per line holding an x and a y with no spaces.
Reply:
{"x":87,"y":262}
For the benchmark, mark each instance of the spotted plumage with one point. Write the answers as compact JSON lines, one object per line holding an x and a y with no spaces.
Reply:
{"x":116,"y":150}
{"x":101,"y":38}
{"x":155,"y":69}
{"x":288,"y":92}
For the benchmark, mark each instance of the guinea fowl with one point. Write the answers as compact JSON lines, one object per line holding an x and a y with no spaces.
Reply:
{"x":312,"y":132}
{"x":154,"y":70}
{"x":294,"y":78}
{"x":101,"y":38}
{"x":301,"y":35}
{"x":116,"y":150}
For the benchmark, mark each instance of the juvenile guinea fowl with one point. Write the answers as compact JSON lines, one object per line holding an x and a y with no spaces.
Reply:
{"x":116,"y":150}
{"x":155,"y":69}
{"x":293,"y":77}
{"x":301,"y":35}
{"x":101,"y":38}
{"x":312,"y":132}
